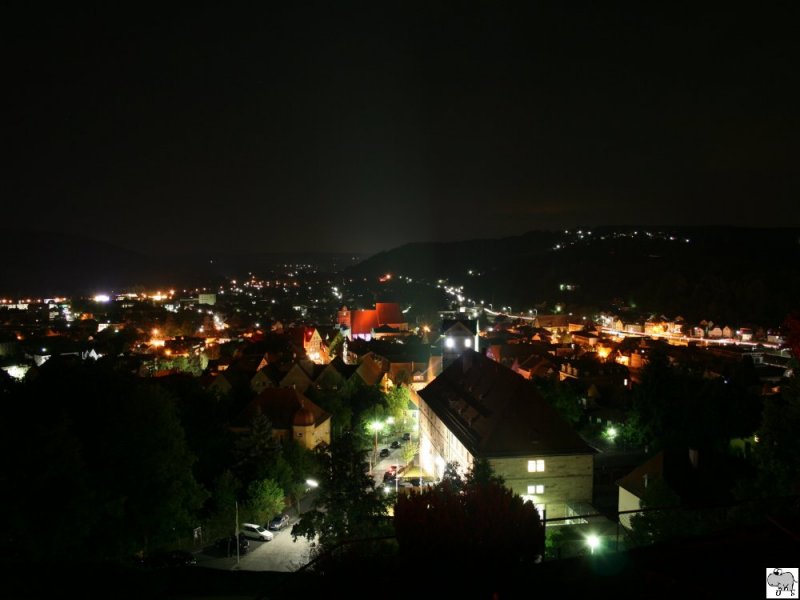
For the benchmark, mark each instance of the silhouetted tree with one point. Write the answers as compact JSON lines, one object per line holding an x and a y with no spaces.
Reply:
{"x":347,"y":502}
{"x":256,"y":450}
{"x":483,"y":525}
{"x":264,"y":500}
{"x":561,"y":396}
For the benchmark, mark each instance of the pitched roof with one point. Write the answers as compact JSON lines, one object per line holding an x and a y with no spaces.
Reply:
{"x":495,"y":412}
{"x":370,"y":370}
{"x":297,"y":375}
{"x":270,"y":372}
{"x":389,"y":312}
{"x":280,"y":405}
{"x":709,"y":479}
{"x":344,"y":370}
{"x":470,"y":325}
{"x":363,"y":321}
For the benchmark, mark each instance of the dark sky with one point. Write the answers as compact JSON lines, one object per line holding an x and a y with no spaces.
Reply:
{"x":345,"y":127}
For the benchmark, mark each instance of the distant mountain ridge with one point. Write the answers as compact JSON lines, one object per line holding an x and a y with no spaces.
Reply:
{"x":36,"y":263}
{"x":39,"y":263}
{"x":743,"y":275}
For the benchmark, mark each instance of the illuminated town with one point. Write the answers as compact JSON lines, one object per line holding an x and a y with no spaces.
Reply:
{"x":440,"y":300}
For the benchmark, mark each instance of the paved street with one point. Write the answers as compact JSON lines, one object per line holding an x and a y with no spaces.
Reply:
{"x":281,"y":554}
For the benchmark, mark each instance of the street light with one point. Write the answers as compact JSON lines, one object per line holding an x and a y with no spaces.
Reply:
{"x":593,"y":542}
{"x":376,"y":426}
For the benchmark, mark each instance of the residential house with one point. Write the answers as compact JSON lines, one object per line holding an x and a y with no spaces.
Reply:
{"x":697,"y":479}
{"x":587,"y":339}
{"x":363,"y":323}
{"x":371,"y":369}
{"x":291,"y":414}
{"x":268,"y":376}
{"x":477,"y":408}
{"x":458,"y":335}
{"x":232,"y":378}
{"x":556,"y":323}
{"x":300,"y":376}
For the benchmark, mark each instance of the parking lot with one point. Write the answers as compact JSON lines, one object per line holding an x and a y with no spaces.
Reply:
{"x":281,"y":554}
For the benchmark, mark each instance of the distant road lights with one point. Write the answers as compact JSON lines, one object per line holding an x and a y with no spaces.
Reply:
{"x":102,"y":298}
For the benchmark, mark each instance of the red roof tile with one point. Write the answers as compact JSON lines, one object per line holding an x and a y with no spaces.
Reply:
{"x":364,"y":321}
{"x":389,"y":312}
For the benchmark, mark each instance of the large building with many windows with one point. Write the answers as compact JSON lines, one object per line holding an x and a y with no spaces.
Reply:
{"x":478,"y":408}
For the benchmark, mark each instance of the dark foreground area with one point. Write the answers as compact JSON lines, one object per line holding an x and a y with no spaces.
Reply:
{"x":731,"y":562}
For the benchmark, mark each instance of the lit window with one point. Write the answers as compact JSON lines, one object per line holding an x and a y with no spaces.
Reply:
{"x":468,"y":343}
{"x":449,"y":342}
{"x":535,"y":489}
{"x":536,"y":466}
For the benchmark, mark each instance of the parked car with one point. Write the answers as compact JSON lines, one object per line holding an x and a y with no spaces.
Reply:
{"x":227,"y":545}
{"x":385,"y":452}
{"x":406,"y":436}
{"x":279,"y":522}
{"x":256,"y":532}
{"x":394,"y":444}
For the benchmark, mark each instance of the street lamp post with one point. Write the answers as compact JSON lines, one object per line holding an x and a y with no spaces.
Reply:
{"x":376,"y":426}
{"x":236,"y":533}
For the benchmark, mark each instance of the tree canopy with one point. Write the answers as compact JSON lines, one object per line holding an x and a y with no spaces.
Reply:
{"x":475,"y":522}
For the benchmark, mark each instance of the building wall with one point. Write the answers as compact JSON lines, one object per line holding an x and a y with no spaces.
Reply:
{"x":310,"y":436}
{"x":566,"y":479}
{"x":209,"y":299}
{"x":438,"y":446}
{"x":627,"y":501}
{"x":304,"y":436}
{"x":322,"y":434}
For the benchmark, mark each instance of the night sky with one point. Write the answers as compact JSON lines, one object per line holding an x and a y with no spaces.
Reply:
{"x":346,"y":127}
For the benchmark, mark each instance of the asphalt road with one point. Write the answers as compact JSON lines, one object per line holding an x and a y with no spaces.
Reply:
{"x":281,"y":554}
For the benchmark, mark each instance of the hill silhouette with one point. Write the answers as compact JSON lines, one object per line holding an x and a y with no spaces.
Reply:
{"x":39,"y":263}
{"x":738,"y":275}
